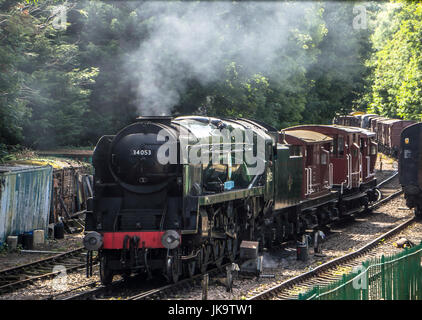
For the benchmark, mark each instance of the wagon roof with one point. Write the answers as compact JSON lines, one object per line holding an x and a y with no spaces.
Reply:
{"x":354,"y":130}
{"x":309,"y":136}
{"x":369,"y":115}
{"x":380,"y":119}
{"x":336,"y":127}
{"x":390,"y":121}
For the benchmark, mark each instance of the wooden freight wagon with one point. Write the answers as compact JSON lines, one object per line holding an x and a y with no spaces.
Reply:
{"x":352,"y":121}
{"x":315,"y":149}
{"x":374,"y":126}
{"x":353,"y":155}
{"x":390,"y":131}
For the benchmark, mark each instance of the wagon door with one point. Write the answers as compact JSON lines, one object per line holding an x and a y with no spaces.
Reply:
{"x":310,"y":170}
{"x":326,"y":166}
{"x":355,"y":158}
{"x":365,"y":159}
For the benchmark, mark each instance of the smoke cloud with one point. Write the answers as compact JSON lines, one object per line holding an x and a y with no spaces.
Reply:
{"x":198,"y":40}
{"x":269,"y":262}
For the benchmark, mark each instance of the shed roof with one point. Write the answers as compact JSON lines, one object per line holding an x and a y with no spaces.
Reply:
{"x":17,"y":168}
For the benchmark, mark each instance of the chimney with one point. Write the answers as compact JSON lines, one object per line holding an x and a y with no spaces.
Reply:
{"x":166,"y":120}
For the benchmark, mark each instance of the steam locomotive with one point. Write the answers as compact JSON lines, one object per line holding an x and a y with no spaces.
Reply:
{"x":157,"y":213}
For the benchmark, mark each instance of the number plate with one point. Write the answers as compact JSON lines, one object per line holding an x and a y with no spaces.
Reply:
{"x":142,"y":152}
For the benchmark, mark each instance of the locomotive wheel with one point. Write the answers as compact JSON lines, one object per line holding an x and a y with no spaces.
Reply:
{"x":191,"y":268}
{"x":218,"y":249}
{"x":173,"y":267}
{"x":232,"y":246}
{"x":106,"y":274}
{"x":175,"y":272}
{"x":126,"y":274}
{"x":205,"y":258}
{"x":418,"y":212}
{"x":229,"y":249}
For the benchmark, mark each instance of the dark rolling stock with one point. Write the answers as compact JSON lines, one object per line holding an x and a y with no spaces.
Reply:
{"x":179,"y":217}
{"x":387,"y":131}
{"x":410,"y":169}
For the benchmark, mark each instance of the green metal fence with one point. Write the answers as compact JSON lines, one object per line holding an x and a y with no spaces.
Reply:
{"x":395,"y":277}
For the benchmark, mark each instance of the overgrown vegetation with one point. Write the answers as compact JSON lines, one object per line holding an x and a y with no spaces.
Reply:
{"x":69,"y":86}
{"x":396,"y":80}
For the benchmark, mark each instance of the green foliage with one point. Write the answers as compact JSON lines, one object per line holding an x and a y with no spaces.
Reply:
{"x":69,"y":87}
{"x":277,"y":96}
{"x":397,"y":63}
{"x":337,"y":77}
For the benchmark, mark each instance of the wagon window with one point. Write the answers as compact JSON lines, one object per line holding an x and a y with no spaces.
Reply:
{"x":295,"y":151}
{"x":335,"y":146}
{"x":373,"y":150}
{"x":340,"y":146}
{"x":316,"y":153}
{"x":324,"y":158}
{"x":309,"y":155}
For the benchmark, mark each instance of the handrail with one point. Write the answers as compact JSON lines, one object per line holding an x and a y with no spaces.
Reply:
{"x":368,"y":173}
{"x":310,"y":181}
{"x":308,"y":172}
{"x":349,"y":171}
{"x":307,"y":181}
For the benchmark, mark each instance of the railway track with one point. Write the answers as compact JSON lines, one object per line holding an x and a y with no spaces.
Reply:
{"x":17,"y":277}
{"x":387,"y":193}
{"x":329,"y":271}
{"x":148,"y":291}
{"x":159,"y":292}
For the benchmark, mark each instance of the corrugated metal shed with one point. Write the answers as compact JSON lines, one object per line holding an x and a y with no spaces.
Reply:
{"x":25,"y":197}
{"x":70,"y":190}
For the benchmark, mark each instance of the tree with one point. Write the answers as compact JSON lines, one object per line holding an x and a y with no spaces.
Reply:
{"x":396,"y":83}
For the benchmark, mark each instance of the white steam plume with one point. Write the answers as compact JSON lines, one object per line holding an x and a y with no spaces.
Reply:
{"x":191,"y":40}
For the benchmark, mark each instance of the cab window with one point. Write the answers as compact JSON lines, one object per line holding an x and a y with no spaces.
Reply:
{"x":295,"y":151}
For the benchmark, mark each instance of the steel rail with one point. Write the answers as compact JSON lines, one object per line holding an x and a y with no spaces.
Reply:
{"x":12,"y":276}
{"x":91,"y":294}
{"x":31,"y":264}
{"x":271,"y":292}
{"x":388,"y":179}
{"x":166,"y":288}
{"x":173,"y":286}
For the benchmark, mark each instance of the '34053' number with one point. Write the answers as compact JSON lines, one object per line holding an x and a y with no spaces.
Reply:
{"x":145,"y":152}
